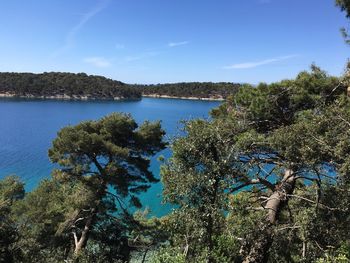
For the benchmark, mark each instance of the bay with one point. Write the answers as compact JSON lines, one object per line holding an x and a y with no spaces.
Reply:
{"x":27,"y":128}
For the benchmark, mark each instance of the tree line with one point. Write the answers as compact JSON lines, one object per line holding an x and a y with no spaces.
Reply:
{"x":81,"y":85}
{"x":69,"y":84}
{"x":220,"y":90}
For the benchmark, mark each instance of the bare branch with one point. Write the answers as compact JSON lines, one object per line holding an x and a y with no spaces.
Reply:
{"x":321,"y":205}
{"x":263,"y":182}
{"x":288,"y":227}
{"x":79,"y":219}
{"x":75,"y":238}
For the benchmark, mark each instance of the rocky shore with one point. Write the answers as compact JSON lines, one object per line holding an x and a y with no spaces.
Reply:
{"x":58,"y":97}
{"x":78,"y":97}
{"x":183,"y":98}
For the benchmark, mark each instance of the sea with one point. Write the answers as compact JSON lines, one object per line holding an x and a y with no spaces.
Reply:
{"x":28,"y":126}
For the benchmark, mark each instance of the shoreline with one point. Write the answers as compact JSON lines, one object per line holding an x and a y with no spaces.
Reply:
{"x":62,"y":97}
{"x":157,"y":96}
{"x":88,"y":98}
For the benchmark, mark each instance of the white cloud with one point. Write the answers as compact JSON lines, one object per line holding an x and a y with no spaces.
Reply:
{"x":99,"y":62}
{"x":176,"y":44}
{"x":248,"y":65}
{"x":70,"y":37}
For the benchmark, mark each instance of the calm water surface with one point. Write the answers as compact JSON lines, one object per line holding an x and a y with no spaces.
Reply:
{"x":27,"y":128}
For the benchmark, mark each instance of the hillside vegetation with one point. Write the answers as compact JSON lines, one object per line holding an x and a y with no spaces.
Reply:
{"x":211,"y":90}
{"x":69,"y":85}
{"x":82,"y":86}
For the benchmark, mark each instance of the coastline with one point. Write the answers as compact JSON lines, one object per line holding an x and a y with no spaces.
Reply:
{"x":87,"y":98}
{"x":181,"y":98}
{"x":62,"y":97}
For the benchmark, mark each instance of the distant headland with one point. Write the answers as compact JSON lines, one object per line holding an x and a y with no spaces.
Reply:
{"x":80,"y":86}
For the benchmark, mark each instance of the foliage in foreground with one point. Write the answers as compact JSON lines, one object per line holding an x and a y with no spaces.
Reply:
{"x":265,"y":180}
{"x":270,"y":174}
{"x":103,"y":165}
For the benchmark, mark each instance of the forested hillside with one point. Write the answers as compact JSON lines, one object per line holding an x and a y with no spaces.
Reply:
{"x":192,"y":89}
{"x":83,"y":86}
{"x":65,"y":85}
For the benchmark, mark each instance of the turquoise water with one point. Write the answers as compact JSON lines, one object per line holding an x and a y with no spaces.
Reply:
{"x":27,"y":128}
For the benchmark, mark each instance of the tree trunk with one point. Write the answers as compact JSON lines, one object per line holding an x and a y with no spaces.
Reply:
{"x":258,"y":252}
{"x":304,"y":249}
{"x":279,"y":198}
{"x":81,"y":242}
{"x":210,"y":224}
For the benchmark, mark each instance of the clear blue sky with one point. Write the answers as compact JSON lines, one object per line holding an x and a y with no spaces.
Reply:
{"x":157,"y":41}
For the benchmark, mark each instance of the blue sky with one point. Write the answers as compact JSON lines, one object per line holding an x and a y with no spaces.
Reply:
{"x":157,"y":41}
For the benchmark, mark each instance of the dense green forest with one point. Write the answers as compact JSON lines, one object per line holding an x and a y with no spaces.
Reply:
{"x":266,"y":179}
{"x":69,"y":84}
{"x":83,"y":86}
{"x":192,"y":89}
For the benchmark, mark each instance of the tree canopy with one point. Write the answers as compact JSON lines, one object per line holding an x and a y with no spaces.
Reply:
{"x":51,"y":84}
{"x":345,"y":7}
{"x":11,"y":190}
{"x":269,"y":159}
{"x":192,"y":89}
{"x":83,"y":212}
{"x":110,"y":158}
